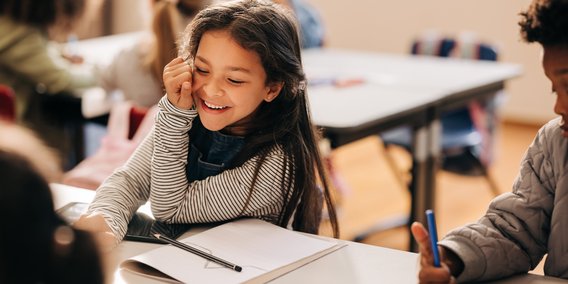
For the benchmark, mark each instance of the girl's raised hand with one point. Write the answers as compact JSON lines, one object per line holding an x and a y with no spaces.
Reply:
{"x":177,"y":81}
{"x":428,"y":272}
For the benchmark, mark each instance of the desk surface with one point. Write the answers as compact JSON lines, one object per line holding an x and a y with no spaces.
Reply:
{"x":354,"y":263}
{"x":101,"y":50}
{"x":393,"y":84}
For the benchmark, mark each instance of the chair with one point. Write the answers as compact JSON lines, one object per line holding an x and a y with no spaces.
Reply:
{"x":127,"y":127}
{"x":7,"y":104}
{"x":467,"y":133}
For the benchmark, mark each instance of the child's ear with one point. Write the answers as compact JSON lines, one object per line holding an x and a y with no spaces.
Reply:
{"x":273,"y":91}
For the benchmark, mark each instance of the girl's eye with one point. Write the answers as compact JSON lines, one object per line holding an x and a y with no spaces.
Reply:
{"x":237,"y":82}
{"x":202,"y":71}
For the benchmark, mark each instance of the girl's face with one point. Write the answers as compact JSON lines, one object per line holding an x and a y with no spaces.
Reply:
{"x":555,"y":63}
{"x":228,"y":83}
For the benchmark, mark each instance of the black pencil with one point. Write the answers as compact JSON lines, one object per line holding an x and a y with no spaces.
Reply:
{"x":198,"y":252}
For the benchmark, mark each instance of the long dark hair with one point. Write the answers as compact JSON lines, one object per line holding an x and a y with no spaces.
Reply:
{"x":271,"y":31}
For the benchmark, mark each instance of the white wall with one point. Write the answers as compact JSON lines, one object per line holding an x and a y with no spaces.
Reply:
{"x":389,"y":26}
{"x":130,"y":15}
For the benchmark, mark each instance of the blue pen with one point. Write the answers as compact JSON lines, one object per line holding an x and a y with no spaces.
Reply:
{"x":433,"y":236}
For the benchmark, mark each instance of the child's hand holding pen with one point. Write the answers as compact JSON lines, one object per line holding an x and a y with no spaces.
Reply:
{"x":177,"y":81}
{"x":450,"y":264}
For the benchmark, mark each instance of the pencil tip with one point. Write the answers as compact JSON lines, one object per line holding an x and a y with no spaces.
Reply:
{"x":238,"y":268}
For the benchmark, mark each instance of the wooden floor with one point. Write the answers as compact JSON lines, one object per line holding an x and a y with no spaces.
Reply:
{"x":375,"y":195}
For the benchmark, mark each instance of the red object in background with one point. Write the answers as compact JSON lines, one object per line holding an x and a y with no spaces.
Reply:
{"x":7,"y":103}
{"x":137,"y":114}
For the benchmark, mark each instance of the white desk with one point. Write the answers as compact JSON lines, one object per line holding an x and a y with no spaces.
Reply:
{"x":101,"y":50}
{"x":354,"y":263}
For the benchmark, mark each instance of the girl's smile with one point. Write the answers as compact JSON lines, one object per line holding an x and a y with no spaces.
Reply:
{"x":212,"y":107}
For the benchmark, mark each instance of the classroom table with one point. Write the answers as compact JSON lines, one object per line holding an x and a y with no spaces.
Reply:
{"x":393,"y":90}
{"x":353,"y":263}
{"x":398,"y":90}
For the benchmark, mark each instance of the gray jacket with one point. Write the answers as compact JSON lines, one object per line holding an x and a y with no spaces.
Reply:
{"x":520,"y":227}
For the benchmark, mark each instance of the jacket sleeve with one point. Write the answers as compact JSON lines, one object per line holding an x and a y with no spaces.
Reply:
{"x":512,"y":236}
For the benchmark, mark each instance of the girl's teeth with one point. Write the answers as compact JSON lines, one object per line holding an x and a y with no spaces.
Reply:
{"x":209,"y":105}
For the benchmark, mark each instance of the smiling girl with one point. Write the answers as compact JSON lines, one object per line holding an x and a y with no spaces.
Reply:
{"x":233,"y":136}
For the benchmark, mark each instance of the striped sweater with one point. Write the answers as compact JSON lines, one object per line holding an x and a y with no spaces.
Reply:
{"x":156,"y":172}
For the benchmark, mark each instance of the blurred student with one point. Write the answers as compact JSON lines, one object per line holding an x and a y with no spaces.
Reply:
{"x":520,"y":227}
{"x":31,"y":66}
{"x":137,"y":71}
{"x":36,"y":246}
{"x":27,"y":63}
{"x":312,"y":31}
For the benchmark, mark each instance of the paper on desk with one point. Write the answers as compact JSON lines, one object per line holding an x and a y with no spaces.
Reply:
{"x":263,"y":250}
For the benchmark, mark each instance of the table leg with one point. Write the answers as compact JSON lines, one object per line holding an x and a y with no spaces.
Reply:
{"x":426,"y":153}
{"x":418,"y":189}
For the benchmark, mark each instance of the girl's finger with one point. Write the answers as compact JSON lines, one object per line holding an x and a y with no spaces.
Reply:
{"x":174,"y":71}
{"x":185,"y":100}
{"x":174,"y":85}
{"x":175,"y":61}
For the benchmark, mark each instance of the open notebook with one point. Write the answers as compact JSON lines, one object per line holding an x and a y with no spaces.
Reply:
{"x":263,"y":250}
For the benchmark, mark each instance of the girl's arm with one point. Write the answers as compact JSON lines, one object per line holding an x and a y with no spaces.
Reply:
{"x":513,"y":235}
{"x":125,"y":190}
{"x":216,"y":198}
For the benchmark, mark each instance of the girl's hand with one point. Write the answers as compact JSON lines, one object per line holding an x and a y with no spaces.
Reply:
{"x":428,"y":272}
{"x":96,"y":224}
{"x":177,"y":81}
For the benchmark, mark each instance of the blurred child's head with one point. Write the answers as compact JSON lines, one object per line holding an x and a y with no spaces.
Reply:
{"x":546,"y":22}
{"x":36,"y":245}
{"x":43,"y":13}
{"x":245,"y":49}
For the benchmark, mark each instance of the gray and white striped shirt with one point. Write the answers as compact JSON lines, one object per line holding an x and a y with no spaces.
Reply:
{"x":156,"y":172}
